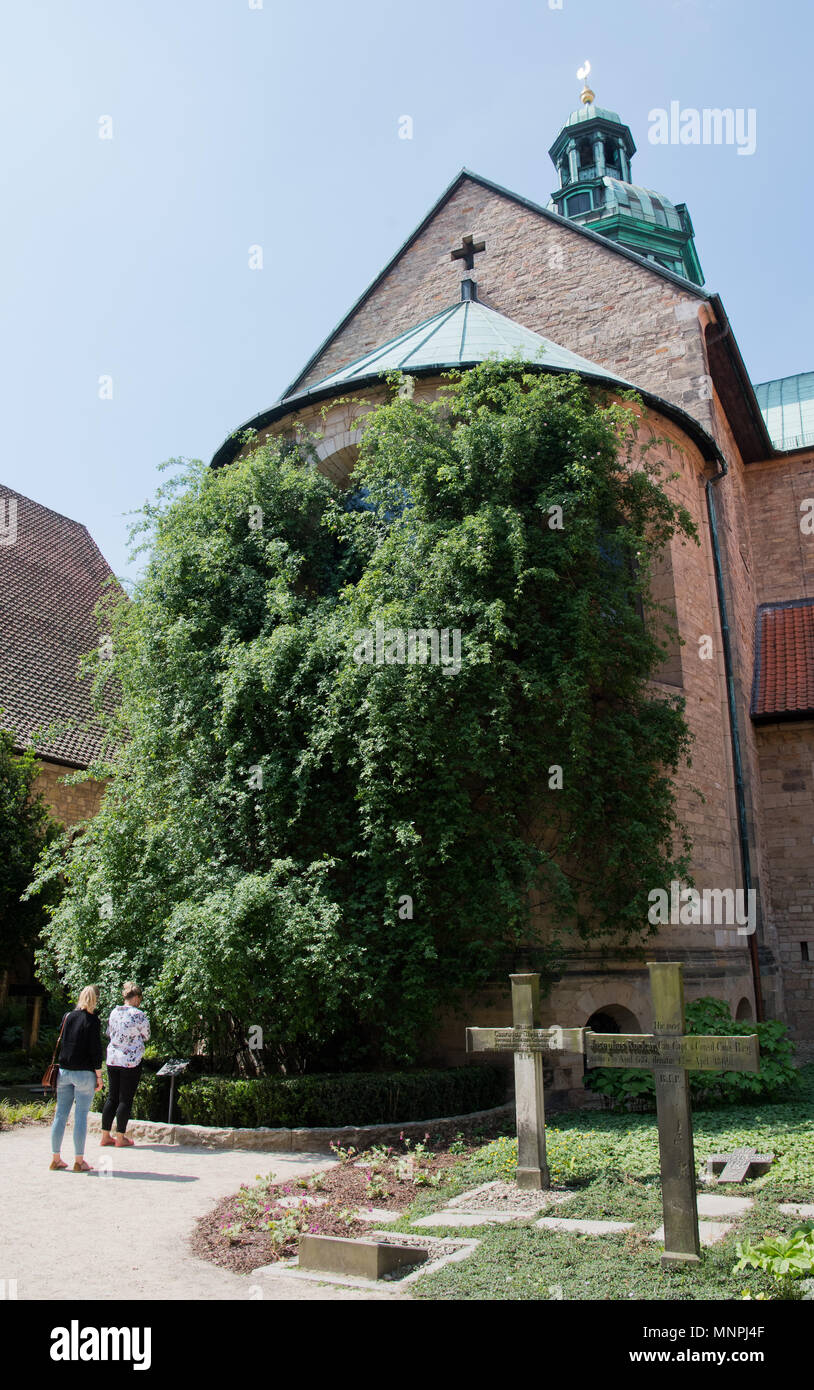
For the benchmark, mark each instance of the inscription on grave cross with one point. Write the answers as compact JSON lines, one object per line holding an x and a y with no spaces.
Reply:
{"x":670,"y":1054}
{"x":528,"y":1044}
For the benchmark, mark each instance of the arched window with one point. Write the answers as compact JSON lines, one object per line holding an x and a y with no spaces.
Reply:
{"x":612,"y":156}
{"x":744,"y":1010}
{"x":578,"y":202}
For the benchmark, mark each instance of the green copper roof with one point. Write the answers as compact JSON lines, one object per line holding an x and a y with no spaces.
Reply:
{"x":633,"y":201}
{"x":591,"y":112}
{"x":461,"y":335}
{"x":787,"y":406}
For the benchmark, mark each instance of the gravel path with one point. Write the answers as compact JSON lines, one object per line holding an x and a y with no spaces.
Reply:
{"x":124,"y":1232}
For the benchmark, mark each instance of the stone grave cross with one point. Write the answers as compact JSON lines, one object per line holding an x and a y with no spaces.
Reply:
{"x":739,"y":1165}
{"x":670,"y":1054}
{"x":528,"y":1044}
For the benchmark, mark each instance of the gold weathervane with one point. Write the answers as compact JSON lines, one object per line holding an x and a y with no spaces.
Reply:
{"x":586,"y":94}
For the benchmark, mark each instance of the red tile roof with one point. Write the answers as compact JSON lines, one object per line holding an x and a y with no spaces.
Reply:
{"x":51,"y":577}
{"x":784,"y":661}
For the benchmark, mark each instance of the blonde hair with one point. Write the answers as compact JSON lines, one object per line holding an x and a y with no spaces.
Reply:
{"x":130,"y":987}
{"x":88,"y":999}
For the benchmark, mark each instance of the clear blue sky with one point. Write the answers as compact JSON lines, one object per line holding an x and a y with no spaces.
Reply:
{"x":278,"y":126}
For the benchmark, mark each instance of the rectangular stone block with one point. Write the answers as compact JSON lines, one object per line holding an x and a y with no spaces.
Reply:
{"x":367,"y":1259}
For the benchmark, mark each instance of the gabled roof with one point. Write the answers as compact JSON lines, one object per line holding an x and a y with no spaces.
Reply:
{"x":787,"y":406}
{"x":51,"y":577}
{"x":783,"y":686}
{"x":726,"y":363}
{"x":613,"y":246}
{"x":459,"y":336}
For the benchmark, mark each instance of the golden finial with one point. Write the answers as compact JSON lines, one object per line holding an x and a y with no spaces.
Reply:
{"x":586,"y":94}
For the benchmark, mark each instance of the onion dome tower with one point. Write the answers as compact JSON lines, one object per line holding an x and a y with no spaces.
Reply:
{"x":592,"y":155}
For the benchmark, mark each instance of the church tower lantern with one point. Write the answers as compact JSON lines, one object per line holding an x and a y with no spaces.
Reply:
{"x":592,"y":155}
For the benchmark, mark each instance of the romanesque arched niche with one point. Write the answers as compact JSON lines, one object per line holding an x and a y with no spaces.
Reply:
{"x":613,"y":1018}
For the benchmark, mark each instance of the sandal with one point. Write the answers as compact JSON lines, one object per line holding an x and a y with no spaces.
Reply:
{"x":106,"y":1141}
{"x":80,"y":1166}
{"x":56,"y":1164}
{"x":122,"y":1142}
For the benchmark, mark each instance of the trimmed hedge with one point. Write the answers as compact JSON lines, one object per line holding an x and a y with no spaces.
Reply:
{"x":310,"y":1102}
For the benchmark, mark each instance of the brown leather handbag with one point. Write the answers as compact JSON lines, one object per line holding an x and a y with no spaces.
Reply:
{"x":49,"y":1081}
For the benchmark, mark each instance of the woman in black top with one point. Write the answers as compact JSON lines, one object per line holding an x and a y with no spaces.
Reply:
{"x":80,"y":1074}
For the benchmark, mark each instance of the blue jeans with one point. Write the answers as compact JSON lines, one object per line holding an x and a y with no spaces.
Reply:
{"x":73,"y":1086}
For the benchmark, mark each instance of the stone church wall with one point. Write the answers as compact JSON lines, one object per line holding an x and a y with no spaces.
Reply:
{"x":787,"y":769}
{"x":784,"y":568}
{"x":70,"y":804}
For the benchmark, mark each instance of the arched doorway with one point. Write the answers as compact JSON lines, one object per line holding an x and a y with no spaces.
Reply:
{"x":613,"y":1018}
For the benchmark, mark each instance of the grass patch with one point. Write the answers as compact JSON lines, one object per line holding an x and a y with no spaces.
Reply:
{"x":610,"y":1163}
{"x":25,"y":1112}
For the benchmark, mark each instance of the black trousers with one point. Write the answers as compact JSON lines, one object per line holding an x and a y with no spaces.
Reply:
{"x":122,"y":1084}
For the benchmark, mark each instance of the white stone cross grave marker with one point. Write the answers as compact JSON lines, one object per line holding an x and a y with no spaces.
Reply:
{"x":528,"y":1044}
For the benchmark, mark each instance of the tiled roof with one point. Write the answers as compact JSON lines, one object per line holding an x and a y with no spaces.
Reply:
{"x":787,"y":406}
{"x":51,"y":578}
{"x":784,"y":661}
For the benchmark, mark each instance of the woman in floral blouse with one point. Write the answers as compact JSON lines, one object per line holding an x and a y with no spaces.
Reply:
{"x":128,"y":1029}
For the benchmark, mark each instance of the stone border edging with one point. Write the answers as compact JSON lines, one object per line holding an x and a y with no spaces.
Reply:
{"x":295,"y":1140}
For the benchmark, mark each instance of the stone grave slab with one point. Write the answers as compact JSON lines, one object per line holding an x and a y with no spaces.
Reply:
{"x":576,"y":1226}
{"x":367,"y":1259}
{"x":472,"y":1218}
{"x":738,"y":1165}
{"x":805,"y":1210}
{"x":380,"y":1214}
{"x":709,"y":1232}
{"x":506,"y":1196}
{"x":711,"y":1204}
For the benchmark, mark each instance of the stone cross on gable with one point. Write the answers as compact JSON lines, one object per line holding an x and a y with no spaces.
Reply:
{"x":670,"y":1054}
{"x":467,"y":251}
{"x":528,"y":1044}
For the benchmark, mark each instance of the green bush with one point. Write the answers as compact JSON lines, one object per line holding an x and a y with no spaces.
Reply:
{"x":777,"y":1078}
{"x":312,"y":1101}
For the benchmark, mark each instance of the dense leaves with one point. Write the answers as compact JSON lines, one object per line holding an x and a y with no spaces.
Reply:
{"x":26,"y":826}
{"x":329,"y":847}
{"x":352,"y":1098}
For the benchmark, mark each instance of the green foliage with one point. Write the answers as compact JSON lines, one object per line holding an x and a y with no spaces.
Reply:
{"x":777,"y":1077}
{"x":26,"y":826}
{"x":314,"y":1101}
{"x":584,"y":1146}
{"x":13,"y":1112}
{"x":611,"y":1164}
{"x":784,"y":1257}
{"x":277,"y":904}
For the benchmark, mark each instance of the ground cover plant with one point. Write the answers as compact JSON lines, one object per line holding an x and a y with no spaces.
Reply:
{"x":25,"y":1112}
{"x":610,"y":1162}
{"x":610,"y":1165}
